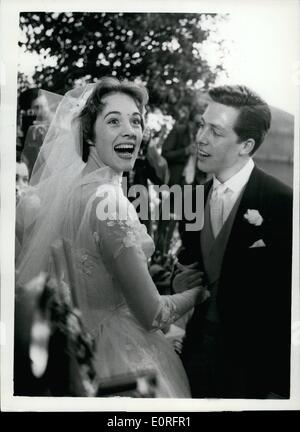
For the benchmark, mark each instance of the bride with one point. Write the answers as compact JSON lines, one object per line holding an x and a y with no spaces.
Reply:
{"x":76,"y":196}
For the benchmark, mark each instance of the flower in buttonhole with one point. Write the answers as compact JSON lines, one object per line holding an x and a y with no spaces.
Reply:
{"x":253,"y":217}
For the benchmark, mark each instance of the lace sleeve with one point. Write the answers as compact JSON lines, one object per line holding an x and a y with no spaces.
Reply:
{"x":121,"y":234}
{"x":116,"y":224}
{"x":172,"y":307}
{"x":166,"y":314}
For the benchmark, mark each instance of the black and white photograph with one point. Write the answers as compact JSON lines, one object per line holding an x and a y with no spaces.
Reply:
{"x":150,"y":206}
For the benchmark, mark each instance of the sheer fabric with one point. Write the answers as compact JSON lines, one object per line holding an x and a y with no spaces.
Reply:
{"x":58,"y":165}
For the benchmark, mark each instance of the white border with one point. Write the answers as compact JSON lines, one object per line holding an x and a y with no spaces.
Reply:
{"x":8,"y":79}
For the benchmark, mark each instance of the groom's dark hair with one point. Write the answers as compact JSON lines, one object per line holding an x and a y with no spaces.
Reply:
{"x":254,"y":117}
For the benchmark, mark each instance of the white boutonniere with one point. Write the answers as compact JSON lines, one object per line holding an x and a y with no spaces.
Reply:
{"x":253,"y":217}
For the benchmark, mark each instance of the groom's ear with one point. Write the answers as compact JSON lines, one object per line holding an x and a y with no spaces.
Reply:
{"x":247,"y":147}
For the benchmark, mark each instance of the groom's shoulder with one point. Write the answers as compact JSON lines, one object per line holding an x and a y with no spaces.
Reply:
{"x":272,"y":184}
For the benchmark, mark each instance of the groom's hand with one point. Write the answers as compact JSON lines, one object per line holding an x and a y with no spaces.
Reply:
{"x":187,"y":277}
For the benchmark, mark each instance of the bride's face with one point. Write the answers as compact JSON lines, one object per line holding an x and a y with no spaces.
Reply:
{"x":118,"y":132}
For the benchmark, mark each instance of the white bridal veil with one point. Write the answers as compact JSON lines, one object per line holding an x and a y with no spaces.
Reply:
{"x":58,"y":165}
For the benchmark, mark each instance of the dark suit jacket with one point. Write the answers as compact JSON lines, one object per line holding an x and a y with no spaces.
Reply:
{"x":254,"y":295}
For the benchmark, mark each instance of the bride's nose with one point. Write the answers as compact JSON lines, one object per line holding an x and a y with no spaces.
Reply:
{"x":128,"y":130}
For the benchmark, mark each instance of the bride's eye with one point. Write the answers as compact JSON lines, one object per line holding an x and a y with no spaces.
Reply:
{"x":136,"y":121}
{"x":113,"y":121}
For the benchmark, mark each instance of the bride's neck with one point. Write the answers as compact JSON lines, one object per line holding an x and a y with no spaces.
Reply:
{"x":94,"y":163}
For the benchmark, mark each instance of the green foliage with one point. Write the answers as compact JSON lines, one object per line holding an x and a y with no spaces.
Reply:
{"x":160,"y":49}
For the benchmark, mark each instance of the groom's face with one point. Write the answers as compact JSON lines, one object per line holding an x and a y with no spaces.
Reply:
{"x":218,"y":146}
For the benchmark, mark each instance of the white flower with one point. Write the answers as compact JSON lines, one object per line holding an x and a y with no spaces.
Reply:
{"x":253,"y":217}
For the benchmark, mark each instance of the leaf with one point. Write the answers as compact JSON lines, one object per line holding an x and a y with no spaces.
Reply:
{"x":158,"y":48}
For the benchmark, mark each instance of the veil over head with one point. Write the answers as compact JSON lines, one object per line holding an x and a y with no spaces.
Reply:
{"x":58,"y":165}
{"x":58,"y":169}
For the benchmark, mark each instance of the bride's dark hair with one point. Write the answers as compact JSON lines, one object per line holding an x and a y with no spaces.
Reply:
{"x":95,"y":104}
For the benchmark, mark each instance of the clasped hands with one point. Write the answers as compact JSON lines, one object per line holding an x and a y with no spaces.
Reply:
{"x":188,"y":277}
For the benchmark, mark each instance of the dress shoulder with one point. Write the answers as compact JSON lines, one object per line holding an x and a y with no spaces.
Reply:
{"x":114,"y":219}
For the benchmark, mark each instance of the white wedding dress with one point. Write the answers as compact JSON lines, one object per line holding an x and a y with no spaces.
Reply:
{"x":123,"y":345}
{"x":106,"y":264}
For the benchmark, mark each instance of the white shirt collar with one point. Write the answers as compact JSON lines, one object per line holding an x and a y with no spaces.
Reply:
{"x":238,"y":180}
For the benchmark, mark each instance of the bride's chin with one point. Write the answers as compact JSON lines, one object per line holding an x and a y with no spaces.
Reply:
{"x":129,"y":165}
{"x":124,"y":167}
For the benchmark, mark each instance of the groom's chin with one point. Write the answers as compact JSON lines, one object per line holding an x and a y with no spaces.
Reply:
{"x":205,"y":167}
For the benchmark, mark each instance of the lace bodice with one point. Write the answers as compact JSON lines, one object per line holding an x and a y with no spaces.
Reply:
{"x":110,"y":252}
{"x":98,"y":289}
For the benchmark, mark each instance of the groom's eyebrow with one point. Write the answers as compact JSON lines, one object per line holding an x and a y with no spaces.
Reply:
{"x":214,"y":125}
{"x":217,"y":126}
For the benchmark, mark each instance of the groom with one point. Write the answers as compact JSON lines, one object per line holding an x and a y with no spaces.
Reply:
{"x":237,"y":343}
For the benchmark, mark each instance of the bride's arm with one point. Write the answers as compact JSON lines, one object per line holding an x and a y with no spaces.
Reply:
{"x":152,"y":309}
{"x":126,"y":262}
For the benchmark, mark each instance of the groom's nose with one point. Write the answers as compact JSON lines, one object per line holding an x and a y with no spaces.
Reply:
{"x":202,"y":137}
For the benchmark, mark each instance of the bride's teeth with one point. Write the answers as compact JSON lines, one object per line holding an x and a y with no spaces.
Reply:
{"x":124,"y":147}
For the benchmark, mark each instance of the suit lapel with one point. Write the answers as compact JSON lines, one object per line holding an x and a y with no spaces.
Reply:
{"x":207,"y":188}
{"x":243,"y":232}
